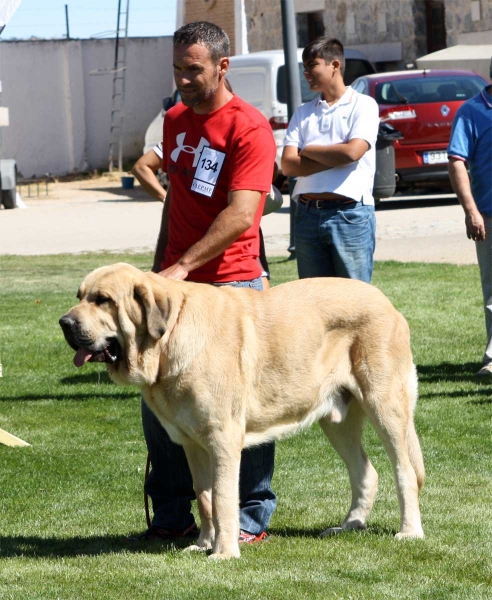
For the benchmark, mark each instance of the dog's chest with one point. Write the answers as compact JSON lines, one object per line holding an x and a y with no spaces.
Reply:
{"x":170,"y":409}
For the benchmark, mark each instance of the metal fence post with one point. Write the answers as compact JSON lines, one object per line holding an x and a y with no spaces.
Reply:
{"x":289,"y":36}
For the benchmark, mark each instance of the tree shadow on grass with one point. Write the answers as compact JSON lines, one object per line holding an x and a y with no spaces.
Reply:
{"x":90,"y":395}
{"x":477,"y":397}
{"x":456,"y":374}
{"x":450,"y":372}
{"x":53,"y":547}
{"x":315,"y":532}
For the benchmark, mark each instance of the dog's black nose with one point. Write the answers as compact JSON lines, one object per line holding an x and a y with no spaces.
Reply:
{"x":66,"y":322}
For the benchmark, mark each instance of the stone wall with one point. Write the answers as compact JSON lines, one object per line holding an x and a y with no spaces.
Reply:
{"x":264,"y":25}
{"x":370,"y":22}
{"x":459,"y":20}
{"x":354,"y":22}
{"x":220,"y":12}
{"x":373,"y":26}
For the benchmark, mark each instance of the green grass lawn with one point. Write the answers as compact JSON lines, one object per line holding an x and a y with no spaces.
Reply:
{"x":67,"y":501}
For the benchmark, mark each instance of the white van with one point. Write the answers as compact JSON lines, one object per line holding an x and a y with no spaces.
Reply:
{"x":260,"y":79}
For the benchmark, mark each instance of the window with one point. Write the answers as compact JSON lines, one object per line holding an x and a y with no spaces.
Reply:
{"x":360,"y":85}
{"x":309,"y":27}
{"x":249,"y":83}
{"x":382,"y":23}
{"x":428,"y":89}
{"x":475,"y":11}
{"x":436,"y":27}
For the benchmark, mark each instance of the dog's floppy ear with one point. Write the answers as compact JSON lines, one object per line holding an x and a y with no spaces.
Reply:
{"x":156,"y":313}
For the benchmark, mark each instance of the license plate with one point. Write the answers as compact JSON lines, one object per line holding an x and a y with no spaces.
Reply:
{"x":435,"y":157}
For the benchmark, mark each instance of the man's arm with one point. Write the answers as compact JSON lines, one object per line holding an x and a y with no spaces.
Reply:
{"x":226,"y":228}
{"x":295,"y":165}
{"x":144,"y":170}
{"x":337,"y":155}
{"x":475,"y":227}
{"x":162,"y":238}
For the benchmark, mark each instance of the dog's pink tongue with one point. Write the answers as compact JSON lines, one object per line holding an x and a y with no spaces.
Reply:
{"x":81,"y":357}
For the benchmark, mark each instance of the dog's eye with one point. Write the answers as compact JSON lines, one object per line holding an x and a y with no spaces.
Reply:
{"x":101,"y":300}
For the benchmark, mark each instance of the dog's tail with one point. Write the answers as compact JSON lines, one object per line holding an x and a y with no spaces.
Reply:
{"x":414,"y":450}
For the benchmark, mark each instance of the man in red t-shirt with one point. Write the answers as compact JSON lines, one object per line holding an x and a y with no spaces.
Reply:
{"x":218,"y":152}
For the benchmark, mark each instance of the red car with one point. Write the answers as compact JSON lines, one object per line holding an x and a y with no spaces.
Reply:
{"x":421,"y":105}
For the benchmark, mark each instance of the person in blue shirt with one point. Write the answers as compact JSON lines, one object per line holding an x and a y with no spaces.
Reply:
{"x":471,"y":145}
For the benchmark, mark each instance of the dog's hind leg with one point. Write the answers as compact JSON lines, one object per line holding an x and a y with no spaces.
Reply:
{"x":346,"y":438}
{"x":396,"y":430}
{"x":201,"y":472}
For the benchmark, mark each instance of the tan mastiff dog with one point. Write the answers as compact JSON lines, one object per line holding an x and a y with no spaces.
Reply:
{"x":226,"y":368}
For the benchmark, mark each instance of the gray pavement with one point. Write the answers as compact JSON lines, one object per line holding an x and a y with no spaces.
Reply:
{"x":97,"y":214}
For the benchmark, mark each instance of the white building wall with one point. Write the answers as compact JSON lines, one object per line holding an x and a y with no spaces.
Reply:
{"x":60,"y":115}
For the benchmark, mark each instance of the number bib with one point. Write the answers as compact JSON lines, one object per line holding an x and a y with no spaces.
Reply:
{"x":208,"y":170}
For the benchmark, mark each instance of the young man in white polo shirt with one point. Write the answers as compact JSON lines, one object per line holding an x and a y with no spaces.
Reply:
{"x":330,"y":148}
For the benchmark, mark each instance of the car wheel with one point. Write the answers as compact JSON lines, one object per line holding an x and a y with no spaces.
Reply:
{"x":8,"y":198}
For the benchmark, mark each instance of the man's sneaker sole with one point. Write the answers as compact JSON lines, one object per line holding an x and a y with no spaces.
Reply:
{"x":250,"y":538}
{"x":485,"y":371}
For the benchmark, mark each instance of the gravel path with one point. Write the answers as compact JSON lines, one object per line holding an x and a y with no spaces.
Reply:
{"x":97,"y":214}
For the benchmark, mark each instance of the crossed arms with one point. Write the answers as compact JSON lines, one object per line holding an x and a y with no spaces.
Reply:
{"x":314,"y":159}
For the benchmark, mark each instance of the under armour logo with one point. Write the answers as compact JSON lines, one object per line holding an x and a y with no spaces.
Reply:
{"x":189,"y":149}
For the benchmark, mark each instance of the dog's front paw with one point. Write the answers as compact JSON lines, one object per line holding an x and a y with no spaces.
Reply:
{"x":412,"y":535}
{"x":224,"y":556}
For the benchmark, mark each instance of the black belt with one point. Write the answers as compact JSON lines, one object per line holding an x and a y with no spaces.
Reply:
{"x":320,"y":204}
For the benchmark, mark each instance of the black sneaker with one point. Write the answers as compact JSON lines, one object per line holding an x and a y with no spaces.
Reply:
{"x":154,"y":532}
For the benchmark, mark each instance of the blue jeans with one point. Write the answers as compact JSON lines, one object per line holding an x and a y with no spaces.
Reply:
{"x":170,"y":485}
{"x":338,"y":241}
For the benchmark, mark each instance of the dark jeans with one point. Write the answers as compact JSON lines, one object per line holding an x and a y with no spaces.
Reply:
{"x":170,"y":485}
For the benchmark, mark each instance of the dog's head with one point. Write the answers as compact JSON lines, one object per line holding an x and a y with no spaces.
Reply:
{"x":121,"y":318}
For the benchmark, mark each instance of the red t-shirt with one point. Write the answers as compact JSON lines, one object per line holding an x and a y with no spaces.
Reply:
{"x":206,"y":157}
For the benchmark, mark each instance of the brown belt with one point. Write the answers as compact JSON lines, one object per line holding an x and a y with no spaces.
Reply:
{"x":320,"y":204}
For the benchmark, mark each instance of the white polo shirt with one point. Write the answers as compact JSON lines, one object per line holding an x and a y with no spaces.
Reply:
{"x":316,"y":123}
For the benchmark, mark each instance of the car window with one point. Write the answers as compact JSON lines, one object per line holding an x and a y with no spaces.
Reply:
{"x":445,"y":88}
{"x":360,"y":85}
{"x":356,"y":67}
{"x":249,"y":84}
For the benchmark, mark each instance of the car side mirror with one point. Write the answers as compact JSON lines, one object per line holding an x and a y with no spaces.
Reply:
{"x":167,"y":103}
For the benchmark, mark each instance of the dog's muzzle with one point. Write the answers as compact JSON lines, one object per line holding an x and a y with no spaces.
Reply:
{"x":110,"y":352}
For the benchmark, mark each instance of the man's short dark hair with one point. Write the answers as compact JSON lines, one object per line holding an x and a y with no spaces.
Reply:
{"x":206,"y":34}
{"x":326,"y":48}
